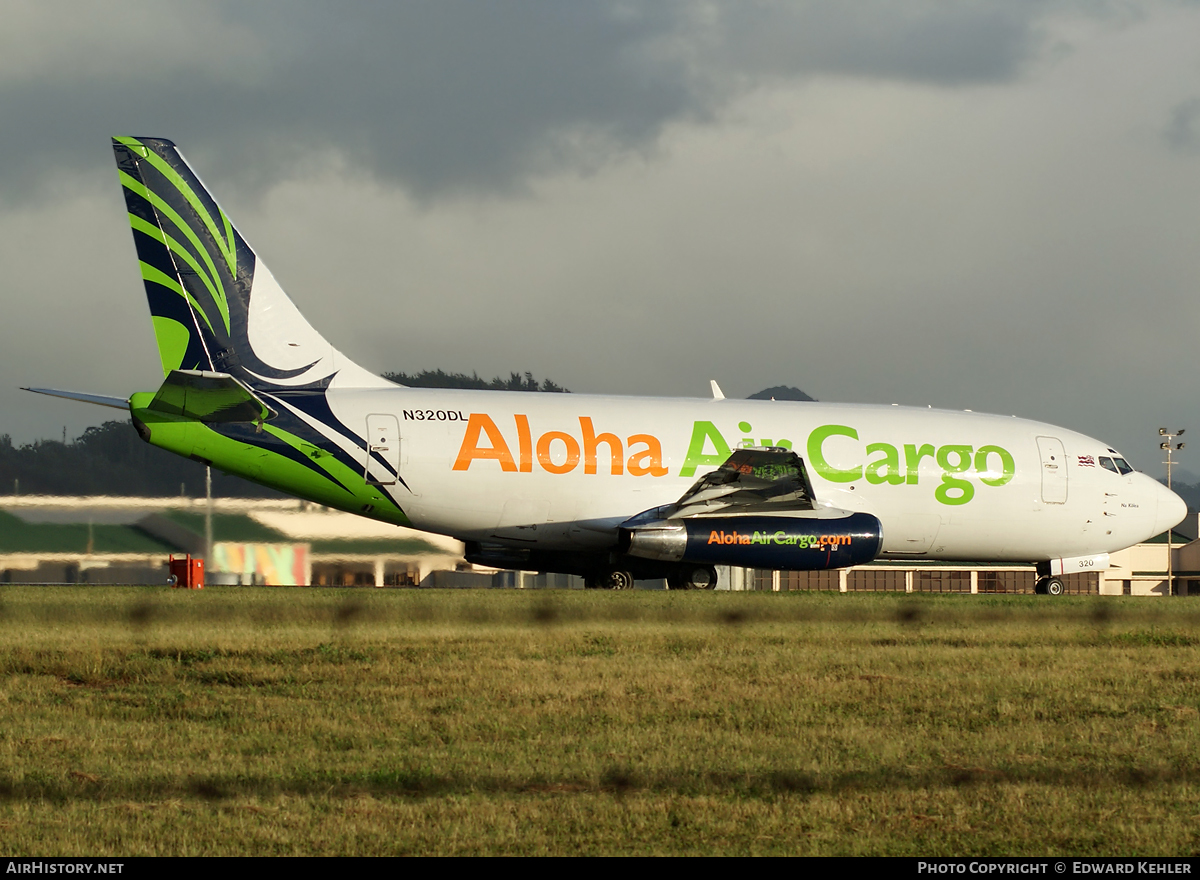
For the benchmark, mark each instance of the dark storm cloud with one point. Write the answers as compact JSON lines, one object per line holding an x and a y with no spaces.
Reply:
{"x":941,"y":43}
{"x":455,"y":96}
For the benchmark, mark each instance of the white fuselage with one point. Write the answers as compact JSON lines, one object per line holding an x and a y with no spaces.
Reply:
{"x":560,"y":471}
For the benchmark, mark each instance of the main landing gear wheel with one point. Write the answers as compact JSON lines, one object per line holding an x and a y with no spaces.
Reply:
{"x":1050,"y":586}
{"x":694,"y":577}
{"x":610,"y":579}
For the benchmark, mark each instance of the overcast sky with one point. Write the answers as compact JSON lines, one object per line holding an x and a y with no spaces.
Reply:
{"x":991,"y":205}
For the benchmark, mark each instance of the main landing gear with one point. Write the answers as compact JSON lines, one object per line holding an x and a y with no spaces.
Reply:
{"x":693,"y":577}
{"x":610,"y":579}
{"x":683,"y":577}
{"x":1050,"y":586}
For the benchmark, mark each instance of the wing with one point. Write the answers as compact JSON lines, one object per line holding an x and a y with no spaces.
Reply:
{"x":756,"y":480}
{"x":756,"y":510}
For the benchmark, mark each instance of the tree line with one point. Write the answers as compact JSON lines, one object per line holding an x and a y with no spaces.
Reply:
{"x":438,"y":379}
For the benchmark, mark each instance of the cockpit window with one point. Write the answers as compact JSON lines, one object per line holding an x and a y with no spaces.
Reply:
{"x":1107,"y":464}
{"x":1123,"y":466}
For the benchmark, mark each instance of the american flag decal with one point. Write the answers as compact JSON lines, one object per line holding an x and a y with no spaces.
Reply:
{"x":1087,"y":461}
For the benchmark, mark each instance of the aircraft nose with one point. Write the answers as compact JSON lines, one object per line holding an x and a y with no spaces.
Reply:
{"x":1171,"y":510}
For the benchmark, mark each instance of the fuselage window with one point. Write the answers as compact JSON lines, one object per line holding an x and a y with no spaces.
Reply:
{"x":1123,"y":466}
{"x":1107,"y":464}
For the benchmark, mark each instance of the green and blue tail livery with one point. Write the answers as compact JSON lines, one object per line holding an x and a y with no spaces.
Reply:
{"x":208,"y":292}
{"x":246,"y":376}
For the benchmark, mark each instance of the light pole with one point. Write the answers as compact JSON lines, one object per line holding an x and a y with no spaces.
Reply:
{"x":1170,"y":446}
{"x":208,"y":516}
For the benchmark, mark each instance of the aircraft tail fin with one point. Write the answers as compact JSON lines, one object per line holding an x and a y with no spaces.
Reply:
{"x":215,"y":306}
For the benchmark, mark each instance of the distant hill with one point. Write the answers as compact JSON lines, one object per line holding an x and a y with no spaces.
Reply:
{"x":438,"y":379}
{"x":781,"y":392}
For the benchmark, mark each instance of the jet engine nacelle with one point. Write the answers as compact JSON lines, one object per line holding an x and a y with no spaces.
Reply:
{"x":797,"y":543}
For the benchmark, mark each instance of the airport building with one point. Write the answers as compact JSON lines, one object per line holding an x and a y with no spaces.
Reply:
{"x":52,"y":539}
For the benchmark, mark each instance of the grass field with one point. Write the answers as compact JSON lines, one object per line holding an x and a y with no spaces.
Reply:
{"x":291,"y":721}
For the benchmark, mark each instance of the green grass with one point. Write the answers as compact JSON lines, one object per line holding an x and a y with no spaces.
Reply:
{"x":292,"y":721}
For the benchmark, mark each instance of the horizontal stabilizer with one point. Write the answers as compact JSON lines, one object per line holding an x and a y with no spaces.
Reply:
{"x":98,"y":399}
{"x":209,"y":397}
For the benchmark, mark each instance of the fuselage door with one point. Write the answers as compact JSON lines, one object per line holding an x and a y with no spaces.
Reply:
{"x":383,"y":445}
{"x":1054,"y":470}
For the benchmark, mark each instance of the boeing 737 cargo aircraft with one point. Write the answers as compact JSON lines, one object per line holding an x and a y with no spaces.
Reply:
{"x":612,"y":488}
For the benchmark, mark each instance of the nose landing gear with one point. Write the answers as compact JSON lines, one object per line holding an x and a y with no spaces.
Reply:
{"x":1050,"y":586}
